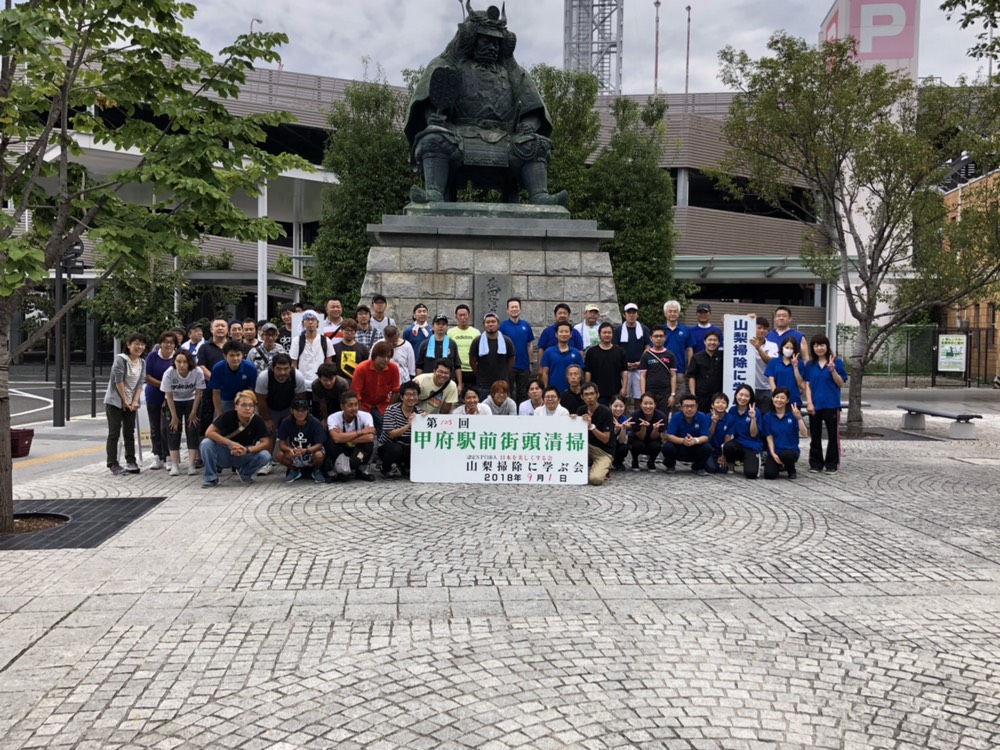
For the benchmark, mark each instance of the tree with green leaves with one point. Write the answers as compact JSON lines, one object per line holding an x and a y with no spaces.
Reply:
{"x":630,"y":193}
{"x":118,"y":76}
{"x":870,"y":147}
{"x":144,"y":300}
{"x":570,"y":97}
{"x":369,"y":154}
{"x":975,"y":13}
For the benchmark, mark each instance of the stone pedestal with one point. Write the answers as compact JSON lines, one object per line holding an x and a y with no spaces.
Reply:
{"x":481,"y":254}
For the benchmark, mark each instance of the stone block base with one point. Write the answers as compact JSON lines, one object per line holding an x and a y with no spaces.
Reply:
{"x":443,"y":261}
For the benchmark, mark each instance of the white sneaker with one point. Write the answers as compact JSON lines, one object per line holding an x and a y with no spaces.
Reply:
{"x":157,"y":463}
{"x":265,"y":471}
{"x":174,"y":471}
{"x":192,"y":472}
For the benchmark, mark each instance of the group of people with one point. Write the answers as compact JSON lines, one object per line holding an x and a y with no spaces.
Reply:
{"x":342,"y":395}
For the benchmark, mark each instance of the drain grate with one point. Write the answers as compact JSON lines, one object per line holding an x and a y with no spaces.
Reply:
{"x":92,"y":522}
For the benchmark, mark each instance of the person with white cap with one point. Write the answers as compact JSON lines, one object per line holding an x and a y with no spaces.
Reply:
{"x":633,"y":337}
{"x":588,"y":327}
{"x":310,"y":349}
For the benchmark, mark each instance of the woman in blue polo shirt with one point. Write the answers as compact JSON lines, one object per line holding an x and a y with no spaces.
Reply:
{"x":745,"y":441}
{"x":783,"y":426}
{"x":825,"y":375}
{"x":786,"y":371}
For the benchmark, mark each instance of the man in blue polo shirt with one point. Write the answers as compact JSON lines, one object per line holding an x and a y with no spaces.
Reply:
{"x":547,"y":339}
{"x":783,"y":328}
{"x":558,"y":358}
{"x":521,"y":336}
{"x":678,"y":337}
{"x":229,"y":377}
{"x":704,"y":327}
{"x":687,"y":438}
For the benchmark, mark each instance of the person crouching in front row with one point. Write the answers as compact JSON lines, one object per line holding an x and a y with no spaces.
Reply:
{"x":300,"y":443}
{"x":238,"y":439}
{"x":352,"y":434}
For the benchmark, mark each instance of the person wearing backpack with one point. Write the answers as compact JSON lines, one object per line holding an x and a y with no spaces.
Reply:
{"x":310,"y":349}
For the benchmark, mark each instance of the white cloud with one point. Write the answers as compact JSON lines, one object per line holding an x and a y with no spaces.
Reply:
{"x":333,"y":37}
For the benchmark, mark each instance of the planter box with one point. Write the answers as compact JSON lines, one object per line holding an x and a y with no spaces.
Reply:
{"x":20,"y":442}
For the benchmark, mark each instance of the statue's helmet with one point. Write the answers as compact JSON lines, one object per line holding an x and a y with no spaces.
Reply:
{"x":489,"y":22}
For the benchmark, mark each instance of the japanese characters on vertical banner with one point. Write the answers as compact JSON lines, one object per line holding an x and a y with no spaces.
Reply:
{"x":499,"y":450}
{"x":739,"y":358}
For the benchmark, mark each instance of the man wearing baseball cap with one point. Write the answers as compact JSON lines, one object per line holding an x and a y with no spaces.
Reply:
{"x":633,"y":337}
{"x":300,"y":443}
{"x":267,"y":349}
{"x":439,"y":346}
{"x":589,"y":327}
{"x":698,"y":333}
{"x":310,"y":349}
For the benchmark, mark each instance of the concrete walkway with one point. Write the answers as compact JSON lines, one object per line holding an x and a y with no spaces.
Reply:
{"x":854,"y":610}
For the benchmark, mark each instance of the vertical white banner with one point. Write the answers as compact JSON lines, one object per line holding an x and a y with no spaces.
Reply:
{"x":739,"y":358}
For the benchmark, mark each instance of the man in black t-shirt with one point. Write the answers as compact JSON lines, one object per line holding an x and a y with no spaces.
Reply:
{"x":601,"y":429}
{"x":606,"y":365}
{"x":237,"y":439}
{"x":300,"y":443}
{"x":658,"y":371}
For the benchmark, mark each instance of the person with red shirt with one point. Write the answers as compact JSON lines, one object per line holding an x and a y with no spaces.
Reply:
{"x":376,"y":381}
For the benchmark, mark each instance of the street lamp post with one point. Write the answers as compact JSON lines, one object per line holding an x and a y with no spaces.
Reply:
{"x":656,"y":52}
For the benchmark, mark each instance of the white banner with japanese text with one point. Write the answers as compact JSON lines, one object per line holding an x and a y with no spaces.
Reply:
{"x":739,"y":359}
{"x":499,"y":450}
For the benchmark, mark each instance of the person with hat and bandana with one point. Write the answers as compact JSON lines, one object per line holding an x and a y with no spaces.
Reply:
{"x":633,"y":337}
{"x":589,"y":327}
{"x":440,"y":346}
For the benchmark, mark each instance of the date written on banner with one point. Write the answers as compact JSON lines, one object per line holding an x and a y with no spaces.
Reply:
{"x":499,"y":450}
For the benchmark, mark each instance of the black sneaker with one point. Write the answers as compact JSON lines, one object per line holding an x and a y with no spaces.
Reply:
{"x":635,"y":463}
{"x":364,"y":476}
{"x":651,"y":465}
{"x":792,"y":473}
{"x":117,"y":470}
{"x":671,"y":470}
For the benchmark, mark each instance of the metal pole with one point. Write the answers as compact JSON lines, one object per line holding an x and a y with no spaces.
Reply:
{"x":92,"y":356}
{"x":58,"y":405}
{"x":687,"y":59}
{"x":69,"y":361}
{"x":656,"y":54}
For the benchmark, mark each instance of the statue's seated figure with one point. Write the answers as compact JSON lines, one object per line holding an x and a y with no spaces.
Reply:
{"x":476,"y":116}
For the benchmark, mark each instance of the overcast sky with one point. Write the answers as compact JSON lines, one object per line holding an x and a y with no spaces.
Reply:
{"x":333,"y":37}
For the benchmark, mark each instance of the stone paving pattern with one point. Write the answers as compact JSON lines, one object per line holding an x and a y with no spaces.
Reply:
{"x":856,"y":610}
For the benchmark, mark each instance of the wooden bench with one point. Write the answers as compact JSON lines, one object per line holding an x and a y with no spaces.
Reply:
{"x":961,"y":427}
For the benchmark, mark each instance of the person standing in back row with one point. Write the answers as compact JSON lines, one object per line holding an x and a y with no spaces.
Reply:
{"x":521,"y":335}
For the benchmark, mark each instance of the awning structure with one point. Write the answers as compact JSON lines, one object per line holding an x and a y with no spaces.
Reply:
{"x":294,"y":197}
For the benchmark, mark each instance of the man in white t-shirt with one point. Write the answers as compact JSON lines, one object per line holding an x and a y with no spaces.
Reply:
{"x":766,"y":351}
{"x":352,"y":440}
{"x":402,"y":353}
{"x":310,"y":349}
{"x":590,"y":326}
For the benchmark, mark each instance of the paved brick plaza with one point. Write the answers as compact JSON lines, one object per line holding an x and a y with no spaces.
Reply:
{"x":857,"y":610}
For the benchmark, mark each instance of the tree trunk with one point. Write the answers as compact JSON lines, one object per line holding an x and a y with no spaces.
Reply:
{"x":855,"y":419}
{"x":6,"y":467}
